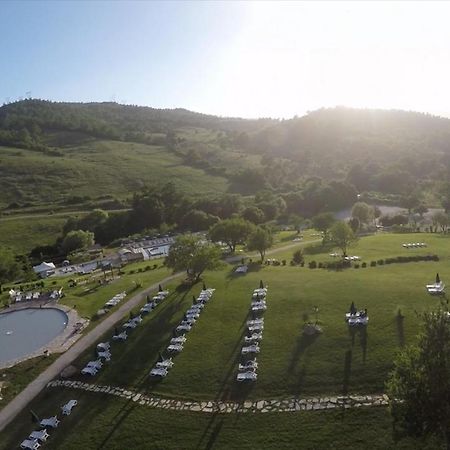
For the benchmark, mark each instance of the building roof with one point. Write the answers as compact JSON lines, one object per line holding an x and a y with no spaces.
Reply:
{"x":44,"y":267}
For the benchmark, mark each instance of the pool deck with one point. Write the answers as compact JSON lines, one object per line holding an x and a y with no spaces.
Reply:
{"x":71,"y":333}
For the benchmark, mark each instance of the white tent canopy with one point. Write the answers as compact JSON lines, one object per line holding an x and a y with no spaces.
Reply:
{"x":44,"y":267}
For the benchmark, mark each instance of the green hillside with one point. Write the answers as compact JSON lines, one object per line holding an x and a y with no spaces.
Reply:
{"x":94,"y":169}
{"x":54,"y":151}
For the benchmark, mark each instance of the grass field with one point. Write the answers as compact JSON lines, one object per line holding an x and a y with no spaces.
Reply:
{"x":104,"y":422}
{"x":289,"y":364}
{"x":18,"y":377}
{"x":23,"y":234}
{"x":335,"y":362}
{"x":96,"y":168}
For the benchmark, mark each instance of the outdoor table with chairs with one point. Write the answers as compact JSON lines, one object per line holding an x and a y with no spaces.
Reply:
{"x":355,"y":317}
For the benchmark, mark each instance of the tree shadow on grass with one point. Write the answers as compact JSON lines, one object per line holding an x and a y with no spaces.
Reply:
{"x":131,"y":366}
{"x":212,"y":430}
{"x":399,"y":322}
{"x":226,"y":390}
{"x":347,"y":371}
{"x":361,"y":332}
{"x":303,"y":342}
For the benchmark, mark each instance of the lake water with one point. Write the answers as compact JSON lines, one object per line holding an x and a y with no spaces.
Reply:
{"x":24,"y":331}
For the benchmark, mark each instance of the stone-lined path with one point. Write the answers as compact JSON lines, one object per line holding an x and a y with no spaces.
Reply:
{"x":247,"y":406}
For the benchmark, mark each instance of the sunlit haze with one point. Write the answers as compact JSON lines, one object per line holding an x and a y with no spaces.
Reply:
{"x":246,"y":59}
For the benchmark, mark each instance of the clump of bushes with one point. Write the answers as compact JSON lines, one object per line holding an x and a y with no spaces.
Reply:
{"x":312,"y":265}
{"x":364,"y":265}
{"x":413,"y":258}
{"x":373,"y":263}
{"x":337,"y":265}
{"x":298,"y":257}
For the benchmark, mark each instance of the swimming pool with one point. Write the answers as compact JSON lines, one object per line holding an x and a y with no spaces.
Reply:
{"x":24,"y":331}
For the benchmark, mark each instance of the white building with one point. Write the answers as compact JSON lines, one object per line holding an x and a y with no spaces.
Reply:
{"x":44,"y":269}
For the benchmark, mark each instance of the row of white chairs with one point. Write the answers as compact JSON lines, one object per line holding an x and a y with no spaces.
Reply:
{"x":414,"y":245}
{"x":38,"y":437}
{"x":115,"y":300}
{"x":176,"y":344}
{"x":247,"y":371}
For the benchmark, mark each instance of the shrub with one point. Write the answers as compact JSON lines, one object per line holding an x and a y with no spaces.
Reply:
{"x":298,"y":257}
{"x":140,"y":269}
{"x":292,"y":263}
{"x":302,"y":264}
{"x":320,"y":265}
{"x":364,"y":265}
{"x":312,"y":265}
{"x":356,"y":266}
{"x":131,"y":272}
{"x":147,"y":268}
{"x":283,"y":262}
{"x":380,"y":262}
{"x":155,"y":266}
{"x":373,"y":263}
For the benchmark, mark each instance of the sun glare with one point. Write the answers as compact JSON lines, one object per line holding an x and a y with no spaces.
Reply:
{"x":291,"y":57}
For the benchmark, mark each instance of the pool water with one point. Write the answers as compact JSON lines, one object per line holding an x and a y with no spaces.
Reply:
{"x":24,"y":331}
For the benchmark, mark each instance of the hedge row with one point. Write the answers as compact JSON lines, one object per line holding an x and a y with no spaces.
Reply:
{"x":339,"y":265}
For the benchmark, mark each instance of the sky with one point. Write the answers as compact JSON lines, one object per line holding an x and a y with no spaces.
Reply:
{"x":246,"y":59}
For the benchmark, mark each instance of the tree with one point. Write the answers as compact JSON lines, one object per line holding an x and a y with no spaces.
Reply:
{"x":76,"y":240}
{"x":254,"y":215}
{"x":342,"y":236}
{"x":419,"y":384}
{"x":196,"y":220}
{"x":194,"y":255}
{"x":298,"y":257}
{"x":260,"y":239}
{"x":9,"y":267}
{"x":398,"y":219}
{"x":441,"y":219}
{"x":410,"y":202}
{"x":231,"y":231}
{"x":445,"y":199}
{"x":93,"y":220}
{"x":363,"y":212}
{"x":296,"y":221}
{"x":323,"y":222}
{"x":421,"y":210}
{"x":354,"y":224}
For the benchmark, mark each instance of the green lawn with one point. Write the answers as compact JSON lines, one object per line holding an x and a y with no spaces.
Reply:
{"x":18,"y":377}
{"x":289,"y":364}
{"x":90,"y":297}
{"x":105,"y":422}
